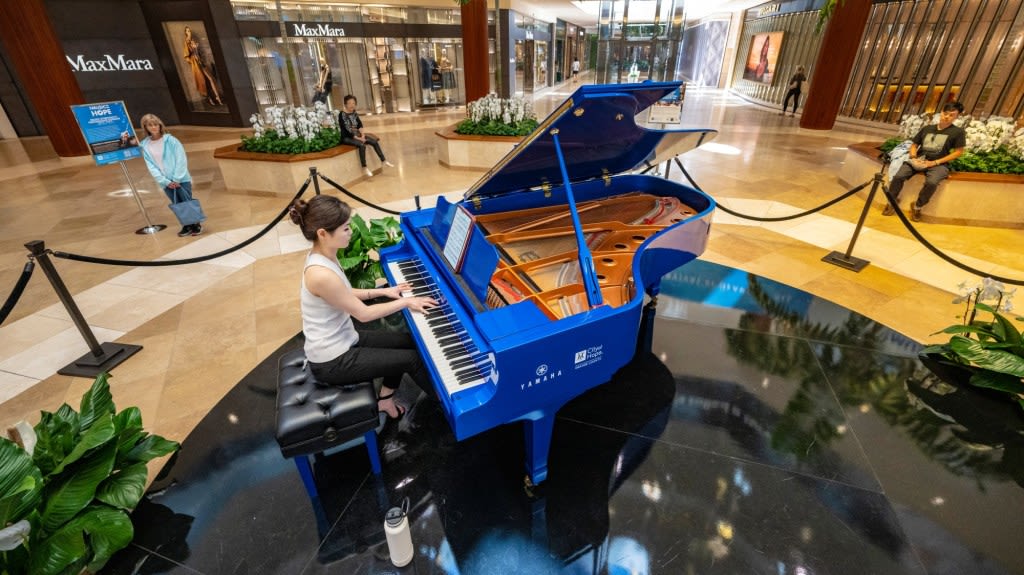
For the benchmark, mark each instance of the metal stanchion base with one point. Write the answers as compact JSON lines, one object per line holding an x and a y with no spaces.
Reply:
{"x":90,"y":365}
{"x":151,"y":229}
{"x":840,"y":259}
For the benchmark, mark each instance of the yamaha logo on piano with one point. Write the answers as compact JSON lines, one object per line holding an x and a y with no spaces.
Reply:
{"x":589,"y":356}
{"x":544,"y":375}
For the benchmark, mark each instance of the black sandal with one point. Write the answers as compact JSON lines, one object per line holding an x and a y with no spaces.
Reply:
{"x":401,"y":409}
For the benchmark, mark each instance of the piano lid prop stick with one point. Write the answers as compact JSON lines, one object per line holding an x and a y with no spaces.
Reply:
{"x":590,"y":283}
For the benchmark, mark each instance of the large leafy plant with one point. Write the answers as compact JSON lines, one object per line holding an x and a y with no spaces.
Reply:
{"x":66,"y":491}
{"x":992,"y":348}
{"x":360,"y":260}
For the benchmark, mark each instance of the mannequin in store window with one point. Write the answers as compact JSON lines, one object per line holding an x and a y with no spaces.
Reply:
{"x":447,"y":75}
{"x":324,"y":84}
{"x":426,"y":68}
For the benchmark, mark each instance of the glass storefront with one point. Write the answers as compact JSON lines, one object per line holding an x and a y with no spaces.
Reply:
{"x":637,"y":41}
{"x":385,"y":73}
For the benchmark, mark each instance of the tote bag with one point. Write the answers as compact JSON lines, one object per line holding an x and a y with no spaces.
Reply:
{"x":188,"y":212}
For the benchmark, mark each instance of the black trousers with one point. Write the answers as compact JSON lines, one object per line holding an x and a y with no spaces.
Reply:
{"x":379,"y":353}
{"x":361,"y":146}
{"x":792,"y":93}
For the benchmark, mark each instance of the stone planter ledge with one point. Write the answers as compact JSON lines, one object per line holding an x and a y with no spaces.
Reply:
{"x":283,"y":174}
{"x":965,"y":198}
{"x":471,"y":152}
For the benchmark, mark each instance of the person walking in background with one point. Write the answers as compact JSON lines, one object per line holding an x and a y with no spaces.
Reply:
{"x":938,"y":145}
{"x":165,"y":158}
{"x":795,"y":84}
{"x":575,"y":68}
{"x":352,"y":134}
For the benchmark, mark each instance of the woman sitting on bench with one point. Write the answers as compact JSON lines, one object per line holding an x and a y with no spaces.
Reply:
{"x":337,"y":352}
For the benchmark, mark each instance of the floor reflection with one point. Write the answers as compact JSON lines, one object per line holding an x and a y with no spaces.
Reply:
{"x":767,"y":431}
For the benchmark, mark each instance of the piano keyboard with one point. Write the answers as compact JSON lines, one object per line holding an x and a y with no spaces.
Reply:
{"x":459,"y":362}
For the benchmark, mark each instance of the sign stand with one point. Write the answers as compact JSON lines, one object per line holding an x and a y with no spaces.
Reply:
{"x":108,"y":131}
{"x":150,"y":228}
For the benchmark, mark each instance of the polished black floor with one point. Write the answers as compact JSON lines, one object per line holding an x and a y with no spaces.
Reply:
{"x":768,"y":432}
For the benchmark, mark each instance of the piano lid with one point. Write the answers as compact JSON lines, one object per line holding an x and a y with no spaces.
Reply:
{"x":599,"y":136}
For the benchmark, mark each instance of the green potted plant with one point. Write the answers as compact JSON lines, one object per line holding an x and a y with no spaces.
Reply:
{"x":360,"y":260}
{"x":292,"y":130}
{"x":68,"y":484}
{"x":986,"y":351}
{"x":494,"y":116}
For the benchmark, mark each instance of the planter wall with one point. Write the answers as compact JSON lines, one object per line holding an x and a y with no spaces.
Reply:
{"x":965,"y":198}
{"x":283,"y":174}
{"x":472,"y":152}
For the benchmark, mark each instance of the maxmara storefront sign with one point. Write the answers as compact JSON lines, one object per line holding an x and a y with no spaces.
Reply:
{"x":314,"y":30}
{"x":108,"y":63}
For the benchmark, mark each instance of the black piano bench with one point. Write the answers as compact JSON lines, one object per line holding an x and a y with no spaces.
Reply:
{"x":312,"y":417}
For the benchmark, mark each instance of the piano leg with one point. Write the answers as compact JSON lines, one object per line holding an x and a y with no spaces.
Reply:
{"x":538,"y":443}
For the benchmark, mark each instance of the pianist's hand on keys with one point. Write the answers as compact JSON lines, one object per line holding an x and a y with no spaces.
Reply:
{"x":404,"y":290}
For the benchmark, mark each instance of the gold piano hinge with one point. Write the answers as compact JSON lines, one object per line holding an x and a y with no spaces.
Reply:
{"x":546,"y":186}
{"x":477,"y":202}
{"x":607,"y":177}
{"x":578,"y":112}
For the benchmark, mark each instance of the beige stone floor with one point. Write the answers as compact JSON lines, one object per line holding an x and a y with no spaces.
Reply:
{"x":204,"y":326}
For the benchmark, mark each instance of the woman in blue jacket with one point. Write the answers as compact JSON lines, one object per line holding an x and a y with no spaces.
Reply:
{"x":165,"y":158}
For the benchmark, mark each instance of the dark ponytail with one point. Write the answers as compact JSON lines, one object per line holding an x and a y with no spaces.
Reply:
{"x":326,"y":212}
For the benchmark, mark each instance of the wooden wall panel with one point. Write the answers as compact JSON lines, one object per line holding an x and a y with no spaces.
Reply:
{"x":839,"y":48}
{"x":475,"y":49}
{"x":38,"y":59}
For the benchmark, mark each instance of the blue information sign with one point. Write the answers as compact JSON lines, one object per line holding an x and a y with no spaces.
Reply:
{"x":108,"y":130}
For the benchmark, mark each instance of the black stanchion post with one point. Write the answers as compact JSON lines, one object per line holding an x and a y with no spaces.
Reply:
{"x":845,"y":260}
{"x":316,"y":180}
{"x":100,"y":358}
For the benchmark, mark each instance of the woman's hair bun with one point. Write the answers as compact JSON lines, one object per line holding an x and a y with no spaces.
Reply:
{"x":296,"y":210}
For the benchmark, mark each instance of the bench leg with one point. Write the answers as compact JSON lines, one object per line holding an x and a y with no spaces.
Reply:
{"x":306,"y":472}
{"x":370,"y":437}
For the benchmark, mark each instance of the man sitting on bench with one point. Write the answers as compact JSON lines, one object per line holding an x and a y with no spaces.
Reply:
{"x":939,"y":145}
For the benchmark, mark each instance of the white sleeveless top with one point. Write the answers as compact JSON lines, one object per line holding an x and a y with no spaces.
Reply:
{"x":329,"y":331}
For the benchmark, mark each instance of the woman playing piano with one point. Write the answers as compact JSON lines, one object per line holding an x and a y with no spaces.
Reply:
{"x":338,"y":353}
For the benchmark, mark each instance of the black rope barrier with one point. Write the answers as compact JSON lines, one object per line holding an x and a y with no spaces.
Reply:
{"x":19,"y":288}
{"x":827,"y":204}
{"x":903,"y":218}
{"x":197,"y":259}
{"x":917,"y":235}
{"x":355,"y":197}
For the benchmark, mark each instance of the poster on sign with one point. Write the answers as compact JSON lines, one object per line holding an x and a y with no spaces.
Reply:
{"x":108,"y":131}
{"x":668,"y":110}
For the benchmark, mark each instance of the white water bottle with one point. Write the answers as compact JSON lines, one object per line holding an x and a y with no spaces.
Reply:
{"x":396,"y":529}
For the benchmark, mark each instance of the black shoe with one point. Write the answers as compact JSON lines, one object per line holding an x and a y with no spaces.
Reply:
{"x":915,"y":213}
{"x":185,"y":231}
{"x":197,"y":229}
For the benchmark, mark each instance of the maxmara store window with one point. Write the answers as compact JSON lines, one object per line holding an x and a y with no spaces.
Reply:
{"x":391,"y":58}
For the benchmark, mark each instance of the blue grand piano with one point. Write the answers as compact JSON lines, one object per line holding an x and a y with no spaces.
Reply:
{"x":543,"y":267}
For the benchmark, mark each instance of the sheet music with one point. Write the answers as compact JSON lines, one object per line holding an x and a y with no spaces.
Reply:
{"x":458,"y":238}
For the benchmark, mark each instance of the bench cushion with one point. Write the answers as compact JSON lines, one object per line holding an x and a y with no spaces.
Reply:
{"x":312,"y":417}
